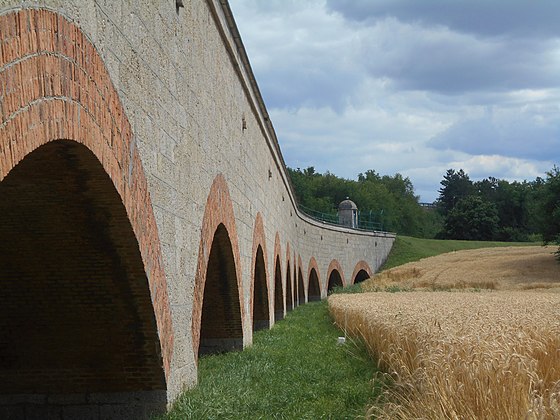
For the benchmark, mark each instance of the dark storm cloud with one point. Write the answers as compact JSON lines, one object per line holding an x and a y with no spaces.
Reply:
{"x":485,"y":17}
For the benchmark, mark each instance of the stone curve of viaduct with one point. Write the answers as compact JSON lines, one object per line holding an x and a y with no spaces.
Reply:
{"x":143,"y":124}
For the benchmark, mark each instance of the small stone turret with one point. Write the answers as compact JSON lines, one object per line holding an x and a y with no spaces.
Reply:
{"x":348,"y":213}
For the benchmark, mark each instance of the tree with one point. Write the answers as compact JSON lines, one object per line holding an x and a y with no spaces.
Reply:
{"x":550,"y":208}
{"x":455,"y":187}
{"x":387,"y":200}
{"x":512,"y":202}
{"x":472,"y":218}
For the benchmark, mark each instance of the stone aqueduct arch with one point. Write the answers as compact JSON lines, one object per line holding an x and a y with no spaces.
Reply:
{"x":261,"y":289}
{"x":61,"y":91}
{"x":55,"y":88}
{"x":335,"y":275}
{"x":314,"y":289}
{"x":218,"y":212}
{"x":279,"y":301}
{"x":57,"y":98}
{"x":361,"y":272}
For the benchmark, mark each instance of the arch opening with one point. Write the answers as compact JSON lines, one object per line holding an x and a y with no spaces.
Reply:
{"x":278,"y":292}
{"x":75,"y":310}
{"x":361,"y":276}
{"x":300,"y":288}
{"x":289,"y":294}
{"x":314,"y":291}
{"x":221,"y":328}
{"x":335,"y":280}
{"x":261,"y":319}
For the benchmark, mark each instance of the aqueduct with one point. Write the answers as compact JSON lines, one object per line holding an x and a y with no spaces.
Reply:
{"x":147,"y":215}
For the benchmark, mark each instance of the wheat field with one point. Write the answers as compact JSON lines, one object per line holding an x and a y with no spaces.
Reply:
{"x":471,"y":352}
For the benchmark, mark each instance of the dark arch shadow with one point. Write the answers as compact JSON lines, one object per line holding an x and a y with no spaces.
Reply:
{"x":335,"y":280}
{"x":261,"y":319}
{"x":300,"y":288}
{"x":361,"y":276}
{"x":221,"y":328}
{"x":75,"y":309}
{"x":278,"y":292}
{"x":314,"y":291}
{"x":289,"y":294}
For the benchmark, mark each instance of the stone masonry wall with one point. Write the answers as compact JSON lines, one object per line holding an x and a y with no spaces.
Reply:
{"x":197,"y":120}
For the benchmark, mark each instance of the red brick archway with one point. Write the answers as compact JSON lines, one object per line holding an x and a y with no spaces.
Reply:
{"x":58,"y":102}
{"x":300,"y":283}
{"x":59,"y":89}
{"x":75,"y":305}
{"x":260,"y":290}
{"x":361,"y":272}
{"x":289,"y":281}
{"x":313,"y":281}
{"x":279,"y":300}
{"x":218,"y":219}
{"x":335,"y":275}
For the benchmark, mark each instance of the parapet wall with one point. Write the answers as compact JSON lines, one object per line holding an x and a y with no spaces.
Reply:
{"x":183,"y":101}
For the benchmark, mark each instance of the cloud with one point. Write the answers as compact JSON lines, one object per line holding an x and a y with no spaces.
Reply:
{"x":483,"y":17}
{"x":509,"y":133}
{"x":484,"y":166}
{"x":415,"y":87}
{"x":439,"y":60}
{"x":301,"y":55}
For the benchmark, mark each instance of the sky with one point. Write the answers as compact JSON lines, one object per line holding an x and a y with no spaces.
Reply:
{"x":408,"y":86}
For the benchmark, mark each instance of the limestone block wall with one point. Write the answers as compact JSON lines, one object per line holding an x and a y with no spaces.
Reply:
{"x":182,"y":90}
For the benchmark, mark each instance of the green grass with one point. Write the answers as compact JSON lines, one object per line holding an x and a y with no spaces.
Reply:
{"x":408,"y":249}
{"x":296,"y":370}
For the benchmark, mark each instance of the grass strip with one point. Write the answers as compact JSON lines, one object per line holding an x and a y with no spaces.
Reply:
{"x":296,"y":370}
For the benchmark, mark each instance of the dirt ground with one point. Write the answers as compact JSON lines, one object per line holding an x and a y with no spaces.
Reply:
{"x":510,"y":268}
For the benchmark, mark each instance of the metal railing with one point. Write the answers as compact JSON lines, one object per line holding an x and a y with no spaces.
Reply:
{"x":332,"y":219}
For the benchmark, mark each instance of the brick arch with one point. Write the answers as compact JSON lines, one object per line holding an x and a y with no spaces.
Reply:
{"x":279,"y":295}
{"x":300,"y":282}
{"x":314,"y":289}
{"x":334,"y":266}
{"x":218,"y":212}
{"x":59,"y":88}
{"x":361,"y":266}
{"x":260,"y":303}
{"x":289,"y":288}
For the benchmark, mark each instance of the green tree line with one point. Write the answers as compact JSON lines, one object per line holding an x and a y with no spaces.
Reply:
{"x":490,"y":209}
{"x":386,"y":200}
{"x":495,"y":209}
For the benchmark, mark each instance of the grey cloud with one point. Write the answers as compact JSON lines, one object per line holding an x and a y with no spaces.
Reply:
{"x":520,"y":138}
{"x":490,"y":18}
{"x":308,"y":86}
{"x":440,"y":61}
{"x":351,"y":86}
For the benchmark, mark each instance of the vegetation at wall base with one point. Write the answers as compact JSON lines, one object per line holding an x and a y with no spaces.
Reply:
{"x":296,"y":370}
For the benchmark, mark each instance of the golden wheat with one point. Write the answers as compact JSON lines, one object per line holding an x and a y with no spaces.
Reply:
{"x":462,"y":355}
{"x":518,"y":268}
